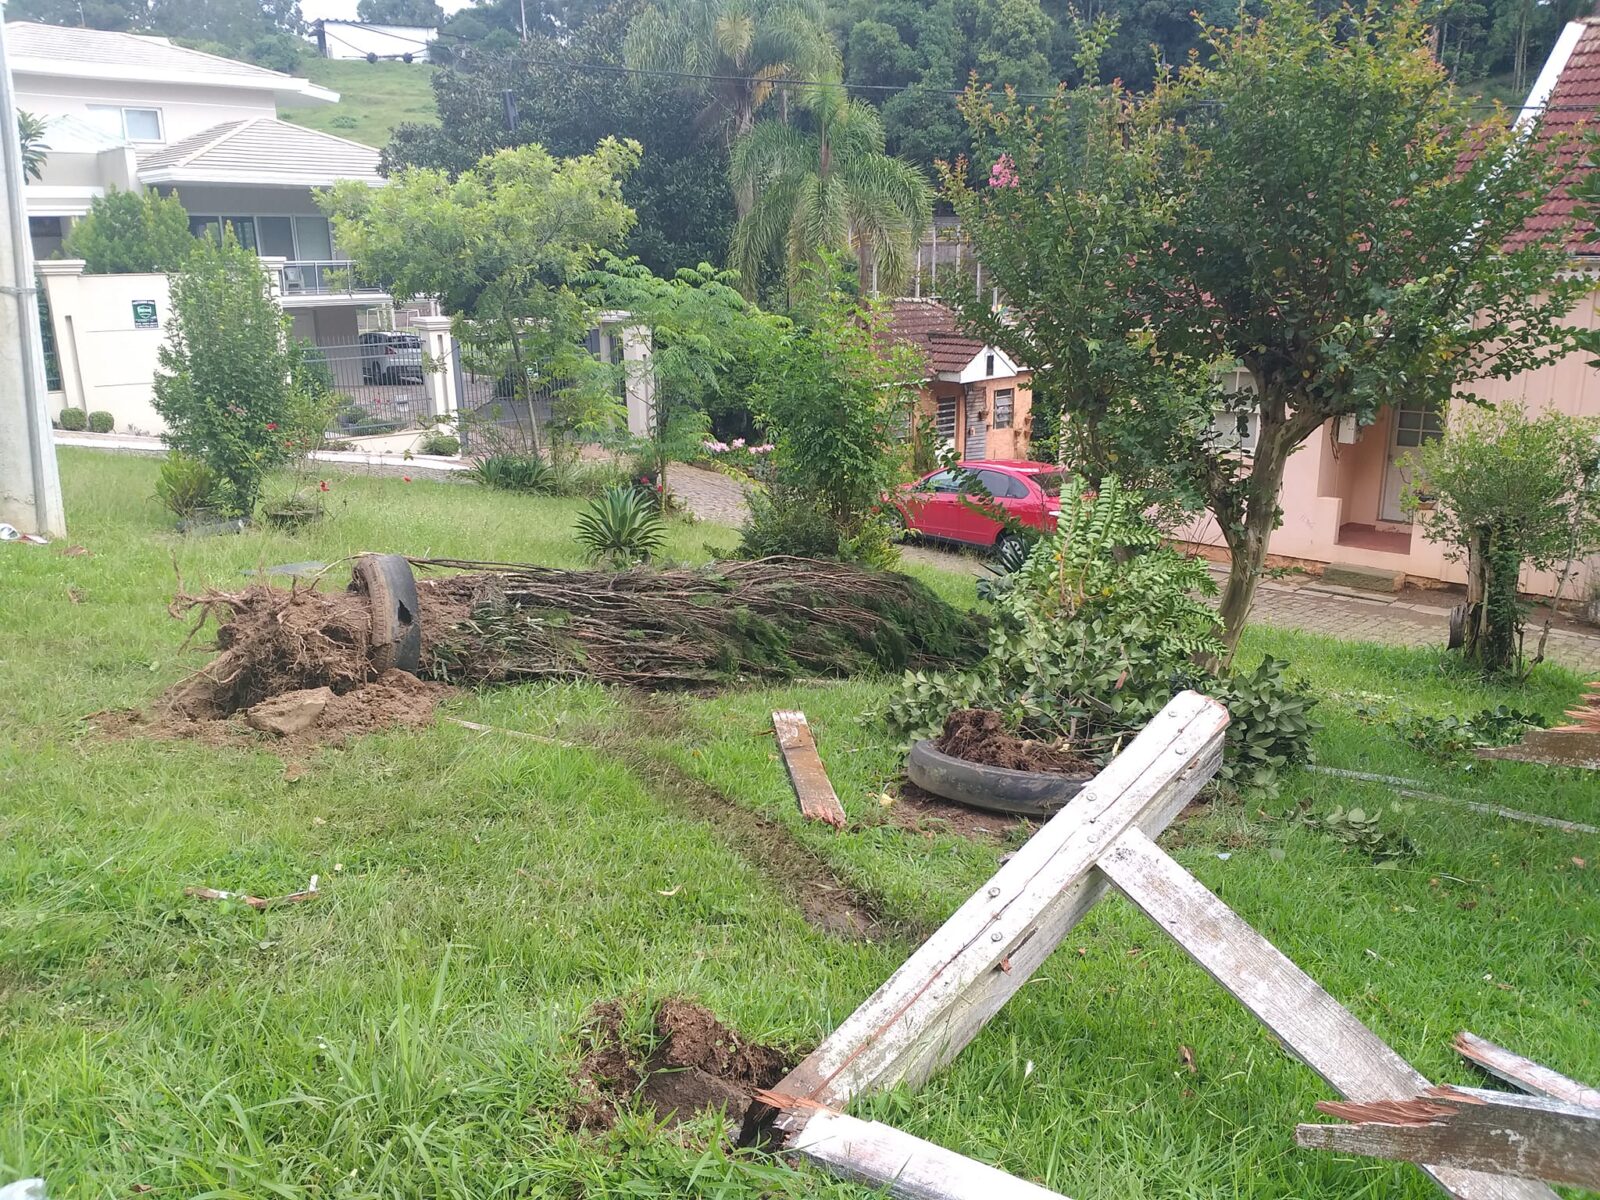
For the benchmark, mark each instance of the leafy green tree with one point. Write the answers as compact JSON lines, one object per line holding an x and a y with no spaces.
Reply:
{"x":685,"y":210}
{"x":502,"y":246}
{"x":117,"y":15}
{"x":31,"y":133}
{"x":1315,"y":205}
{"x":828,"y":188}
{"x":128,"y":232}
{"x":224,"y":383}
{"x":705,"y":337}
{"x":1506,"y":492}
{"x":424,"y":14}
{"x":749,"y":46}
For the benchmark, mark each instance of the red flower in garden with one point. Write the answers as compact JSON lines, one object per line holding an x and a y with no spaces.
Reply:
{"x":272,"y":427}
{"x":406,"y":478}
{"x":322,"y":485}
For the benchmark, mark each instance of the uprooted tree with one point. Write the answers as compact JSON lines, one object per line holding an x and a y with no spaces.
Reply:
{"x":1312,"y":202}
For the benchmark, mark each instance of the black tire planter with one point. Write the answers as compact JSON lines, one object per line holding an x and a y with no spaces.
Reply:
{"x":391,"y":590}
{"x":996,"y":789}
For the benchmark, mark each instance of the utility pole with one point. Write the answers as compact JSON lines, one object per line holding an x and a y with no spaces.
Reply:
{"x":30,"y":488}
{"x":523,"y":5}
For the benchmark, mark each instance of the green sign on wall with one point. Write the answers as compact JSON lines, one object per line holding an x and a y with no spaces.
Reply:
{"x":144,"y":315}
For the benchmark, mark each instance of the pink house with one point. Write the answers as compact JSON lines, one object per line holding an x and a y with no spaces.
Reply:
{"x":1342,"y":488}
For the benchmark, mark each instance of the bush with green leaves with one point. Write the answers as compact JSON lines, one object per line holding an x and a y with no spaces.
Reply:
{"x":1506,"y":491}
{"x":444,"y":444}
{"x":185,"y":486}
{"x":621,"y":527}
{"x":73,"y":419}
{"x":1101,"y":627}
{"x":226,"y":372}
{"x":514,"y":473}
{"x":100,"y":421}
{"x":786,"y":520}
{"x":130,"y":232}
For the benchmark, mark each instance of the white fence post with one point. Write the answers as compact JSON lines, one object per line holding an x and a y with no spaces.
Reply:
{"x":438,"y":348}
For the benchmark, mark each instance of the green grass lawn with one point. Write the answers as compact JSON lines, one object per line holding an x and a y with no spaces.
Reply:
{"x":373,"y":98}
{"x":414,"y":1030}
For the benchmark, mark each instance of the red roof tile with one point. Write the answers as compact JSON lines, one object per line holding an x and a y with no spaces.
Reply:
{"x":931,"y":328}
{"x":1572,"y":108}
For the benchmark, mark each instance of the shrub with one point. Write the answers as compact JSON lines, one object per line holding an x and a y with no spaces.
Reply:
{"x":441,"y":443}
{"x":224,"y":383}
{"x":185,"y":486}
{"x":1098,"y":630}
{"x":100,"y":421}
{"x":786,"y":520}
{"x":514,"y":473}
{"x":1506,"y":492}
{"x":620,"y":527}
{"x":127,"y":232}
{"x":74,"y":419}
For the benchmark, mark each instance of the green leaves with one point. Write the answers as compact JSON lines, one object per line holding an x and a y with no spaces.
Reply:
{"x":132,"y":232}
{"x":622,"y":527}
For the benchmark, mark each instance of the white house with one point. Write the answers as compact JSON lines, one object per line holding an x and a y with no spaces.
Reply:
{"x":126,"y":111}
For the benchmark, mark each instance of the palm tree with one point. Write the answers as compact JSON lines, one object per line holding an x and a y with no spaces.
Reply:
{"x":30,"y":131}
{"x":745,"y":48}
{"x":832,"y":188}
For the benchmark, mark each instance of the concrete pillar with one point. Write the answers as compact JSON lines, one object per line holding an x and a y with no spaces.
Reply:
{"x":61,"y":277}
{"x":639,"y":380}
{"x":438,"y":349}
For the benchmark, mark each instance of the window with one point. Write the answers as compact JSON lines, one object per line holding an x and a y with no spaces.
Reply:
{"x":244,"y":229}
{"x":988,"y":364}
{"x":1002,"y":486}
{"x":945,"y":419}
{"x":1236,"y":430}
{"x":133,"y":124}
{"x":1005,"y":402}
{"x":1415,"y":424}
{"x":1050,"y":482}
{"x":944,"y":481}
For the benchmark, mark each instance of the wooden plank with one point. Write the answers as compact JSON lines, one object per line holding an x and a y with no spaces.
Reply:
{"x":942,"y":995}
{"x":894,"y":1162}
{"x":1409,"y":789}
{"x":1524,"y":1073}
{"x":818,"y":801}
{"x":1471,"y":1130}
{"x":1313,"y":1026}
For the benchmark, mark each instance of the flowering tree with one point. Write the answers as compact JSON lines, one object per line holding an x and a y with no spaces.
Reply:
{"x":1311,"y":202}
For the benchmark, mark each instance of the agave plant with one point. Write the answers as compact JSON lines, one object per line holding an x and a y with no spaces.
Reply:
{"x":621,"y":526}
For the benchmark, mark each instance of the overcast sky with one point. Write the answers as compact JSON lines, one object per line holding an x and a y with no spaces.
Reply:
{"x":345,"y":10}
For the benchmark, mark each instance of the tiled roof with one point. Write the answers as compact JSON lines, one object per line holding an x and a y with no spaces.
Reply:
{"x":65,"y":50}
{"x":1572,"y":107}
{"x":931,"y":327}
{"x":261,"y":150}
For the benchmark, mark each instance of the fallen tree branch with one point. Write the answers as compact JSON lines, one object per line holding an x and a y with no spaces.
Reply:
{"x":256,"y":902}
{"x":1410,"y":788}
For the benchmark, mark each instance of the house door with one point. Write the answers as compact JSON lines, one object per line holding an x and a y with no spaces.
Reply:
{"x":976,"y":447}
{"x":1411,"y":425}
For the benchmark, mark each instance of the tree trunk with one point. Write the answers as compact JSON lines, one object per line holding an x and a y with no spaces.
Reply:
{"x":1247,"y":538}
{"x":744,"y":196}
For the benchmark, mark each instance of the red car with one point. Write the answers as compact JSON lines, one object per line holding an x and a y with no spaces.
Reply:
{"x":934,"y":505}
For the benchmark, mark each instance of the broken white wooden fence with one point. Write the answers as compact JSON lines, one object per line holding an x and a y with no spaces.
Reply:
{"x":930,"y":1008}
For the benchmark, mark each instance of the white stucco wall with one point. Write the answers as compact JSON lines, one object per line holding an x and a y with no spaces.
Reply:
{"x":106,"y":362}
{"x":185,"y":109}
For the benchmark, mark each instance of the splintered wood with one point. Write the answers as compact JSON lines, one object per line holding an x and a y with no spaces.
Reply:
{"x":1470,"y":1129}
{"x":942,"y":995}
{"x":1533,"y":1078}
{"x":818,"y":801}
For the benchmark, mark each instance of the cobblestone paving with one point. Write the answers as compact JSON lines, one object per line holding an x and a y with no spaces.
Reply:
{"x":717,"y":498}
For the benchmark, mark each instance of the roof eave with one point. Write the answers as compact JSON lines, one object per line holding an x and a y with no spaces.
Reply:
{"x":285,"y":88}
{"x":176,"y":175}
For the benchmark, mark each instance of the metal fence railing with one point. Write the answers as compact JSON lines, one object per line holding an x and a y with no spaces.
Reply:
{"x":380,"y":381}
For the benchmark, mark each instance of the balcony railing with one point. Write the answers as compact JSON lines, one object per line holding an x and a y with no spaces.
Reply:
{"x":324,"y":277}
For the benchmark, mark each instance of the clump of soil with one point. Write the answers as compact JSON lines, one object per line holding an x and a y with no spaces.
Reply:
{"x":978,"y":735}
{"x":922,"y":812}
{"x":697,"y":1064}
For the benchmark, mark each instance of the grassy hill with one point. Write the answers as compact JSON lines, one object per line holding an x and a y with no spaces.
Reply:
{"x":373,"y":98}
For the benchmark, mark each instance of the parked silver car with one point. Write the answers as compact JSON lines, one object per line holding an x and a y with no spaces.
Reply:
{"x":389,"y":357}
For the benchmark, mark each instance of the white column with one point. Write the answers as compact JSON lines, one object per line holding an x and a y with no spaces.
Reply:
{"x":60,"y":278}
{"x":438,"y":348}
{"x":640,"y":381}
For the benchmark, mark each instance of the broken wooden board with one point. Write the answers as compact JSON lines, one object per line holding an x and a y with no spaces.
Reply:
{"x":1469,"y":1129}
{"x":818,"y":801}
{"x":1551,"y":748}
{"x":1311,"y":1024}
{"x":960,"y":977}
{"x":894,"y":1163}
{"x":1534,"y":1078}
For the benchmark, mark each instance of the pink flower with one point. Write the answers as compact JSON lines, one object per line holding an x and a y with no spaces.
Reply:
{"x":322,"y":485}
{"x":738,"y":443}
{"x":1004,"y":173}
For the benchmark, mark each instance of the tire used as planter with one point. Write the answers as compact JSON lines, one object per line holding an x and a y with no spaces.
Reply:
{"x":391,"y":590}
{"x":998,"y":789}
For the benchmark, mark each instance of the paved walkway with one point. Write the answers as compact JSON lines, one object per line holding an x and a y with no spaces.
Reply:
{"x":1303,"y":604}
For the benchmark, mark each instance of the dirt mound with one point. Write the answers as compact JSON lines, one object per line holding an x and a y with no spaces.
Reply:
{"x":978,"y":735}
{"x":697,"y":1064}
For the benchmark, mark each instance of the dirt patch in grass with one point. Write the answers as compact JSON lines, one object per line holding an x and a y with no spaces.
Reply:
{"x":923,"y":812}
{"x":696,"y":1064}
{"x":803,"y":878}
{"x":978,"y":735}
